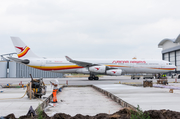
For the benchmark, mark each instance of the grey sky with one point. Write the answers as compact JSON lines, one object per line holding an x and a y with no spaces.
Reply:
{"x":89,"y":28}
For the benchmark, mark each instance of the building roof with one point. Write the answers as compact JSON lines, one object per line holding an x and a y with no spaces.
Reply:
{"x":164,"y":40}
{"x":177,"y":40}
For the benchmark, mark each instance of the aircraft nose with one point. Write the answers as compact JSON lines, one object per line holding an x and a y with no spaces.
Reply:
{"x":173,"y":66}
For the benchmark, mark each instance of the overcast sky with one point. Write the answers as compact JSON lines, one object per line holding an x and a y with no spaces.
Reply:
{"x":89,"y":28}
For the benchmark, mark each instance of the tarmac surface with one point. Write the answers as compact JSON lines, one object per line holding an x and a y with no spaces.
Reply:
{"x":11,"y":101}
{"x":82,"y":100}
{"x":80,"y":81}
{"x":146,"y":98}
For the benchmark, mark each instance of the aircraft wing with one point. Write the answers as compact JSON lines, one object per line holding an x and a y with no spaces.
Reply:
{"x":80,"y":63}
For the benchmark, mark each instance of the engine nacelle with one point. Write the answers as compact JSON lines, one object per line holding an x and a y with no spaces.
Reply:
{"x":26,"y":61}
{"x":114,"y":72}
{"x":97,"y":69}
{"x":83,"y":70}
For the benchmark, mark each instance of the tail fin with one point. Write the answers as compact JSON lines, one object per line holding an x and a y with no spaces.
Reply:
{"x":22,"y":50}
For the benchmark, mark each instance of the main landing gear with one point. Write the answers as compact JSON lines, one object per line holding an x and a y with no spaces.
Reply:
{"x":93,"y":77}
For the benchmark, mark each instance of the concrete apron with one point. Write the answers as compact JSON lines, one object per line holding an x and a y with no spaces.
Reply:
{"x":121,"y":102}
{"x":85,"y":100}
{"x":115,"y":98}
{"x":131,"y":96}
{"x":148,"y":98}
{"x":15,"y":100}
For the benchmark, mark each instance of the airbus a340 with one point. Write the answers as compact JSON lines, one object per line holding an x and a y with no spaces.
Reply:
{"x":112,"y":67}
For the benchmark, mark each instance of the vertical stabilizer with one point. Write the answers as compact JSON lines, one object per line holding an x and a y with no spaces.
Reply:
{"x":22,"y":50}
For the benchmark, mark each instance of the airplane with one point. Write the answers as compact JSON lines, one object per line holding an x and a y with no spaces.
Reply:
{"x":93,"y":67}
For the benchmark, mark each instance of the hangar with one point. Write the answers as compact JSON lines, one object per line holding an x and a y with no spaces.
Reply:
{"x":11,"y":69}
{"x":171,"y":51}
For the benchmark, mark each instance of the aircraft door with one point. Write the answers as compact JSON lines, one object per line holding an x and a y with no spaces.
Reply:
{"x":43,"y":63}
{"x":40,"y":62}
{"x":162,"y":65}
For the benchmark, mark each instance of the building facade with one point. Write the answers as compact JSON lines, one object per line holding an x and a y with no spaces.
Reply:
{"x":171,"y":51}
{"x":10,"y":69}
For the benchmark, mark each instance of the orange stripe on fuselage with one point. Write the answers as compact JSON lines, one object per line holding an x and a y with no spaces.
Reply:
{"x":48,"y":68}
{"x":24,"y":52}
{"x":164,"y":68}
{"x":143,"y":67}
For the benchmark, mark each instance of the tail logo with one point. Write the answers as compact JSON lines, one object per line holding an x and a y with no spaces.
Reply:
{"x":21,"y":48}
{"x":23,"y":51}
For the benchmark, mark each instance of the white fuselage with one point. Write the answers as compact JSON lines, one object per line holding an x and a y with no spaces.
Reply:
{"x":113,"y":67}
{"x":126,"y":65}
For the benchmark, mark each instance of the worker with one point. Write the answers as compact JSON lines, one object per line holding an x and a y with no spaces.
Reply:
{"x":55,"y":89}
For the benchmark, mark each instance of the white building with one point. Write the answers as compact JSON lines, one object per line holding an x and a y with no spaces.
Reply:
{"x":10,"y":69}
{"x":171,"y":51}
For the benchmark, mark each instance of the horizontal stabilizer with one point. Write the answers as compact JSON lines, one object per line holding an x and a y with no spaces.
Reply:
{"x":15,"y":59}
{"x":25,"y":61}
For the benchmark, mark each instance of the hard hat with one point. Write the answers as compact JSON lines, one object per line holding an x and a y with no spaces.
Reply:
{"x":56,"y":81}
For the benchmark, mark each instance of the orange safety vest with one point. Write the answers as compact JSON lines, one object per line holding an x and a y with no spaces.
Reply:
{"x":54,"y":95}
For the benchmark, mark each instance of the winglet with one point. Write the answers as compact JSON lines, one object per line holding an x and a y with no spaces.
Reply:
{"x":68,"y":58}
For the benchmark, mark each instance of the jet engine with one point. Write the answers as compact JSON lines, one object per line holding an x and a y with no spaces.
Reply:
{"x":97,"y":69}
{"x":105,"y":70}
{"x":114,"y":72}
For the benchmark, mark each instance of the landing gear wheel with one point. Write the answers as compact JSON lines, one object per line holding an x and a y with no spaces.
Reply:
{"x":96,"y":78}
{"x":90,"y":78}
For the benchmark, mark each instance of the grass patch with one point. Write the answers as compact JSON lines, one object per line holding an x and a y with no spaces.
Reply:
{"x":39,"y":113}
{"x":139,"y":115}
